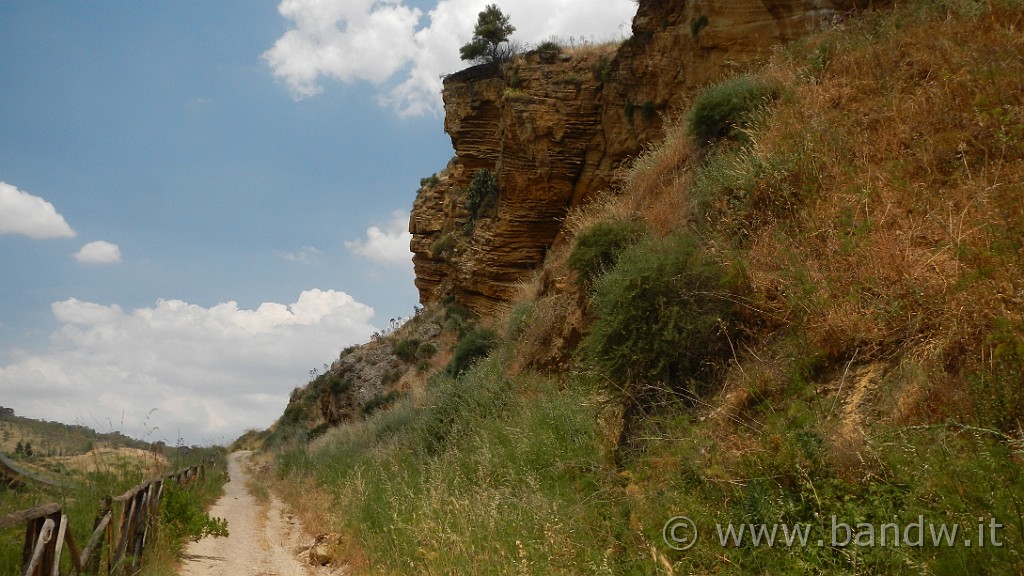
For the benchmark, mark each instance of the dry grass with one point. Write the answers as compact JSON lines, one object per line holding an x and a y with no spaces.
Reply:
{"x":877,"y":207}
{"x":587,"y":50}
{"x":911,"y":174}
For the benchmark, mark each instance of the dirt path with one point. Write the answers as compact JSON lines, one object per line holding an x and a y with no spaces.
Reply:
{"x":263,"y":540}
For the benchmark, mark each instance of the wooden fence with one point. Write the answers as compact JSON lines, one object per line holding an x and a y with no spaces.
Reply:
{"x":137,"y":512}
{"x":15,"y":475}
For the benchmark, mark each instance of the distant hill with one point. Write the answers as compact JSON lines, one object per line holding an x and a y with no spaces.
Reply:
{"x":55,"y":438}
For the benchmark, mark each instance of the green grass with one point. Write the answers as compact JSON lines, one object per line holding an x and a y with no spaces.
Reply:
{"x":939,"y":475}
{"x":490,"y":474}
{"x":81,"y":501}
{"x":493,"y":476}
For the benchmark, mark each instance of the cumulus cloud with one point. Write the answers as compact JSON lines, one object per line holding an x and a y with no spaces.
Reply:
{"x":389,"y":245}
{"x":377,"y":40}
{"x":344,"y":39}
{"x":23,"y":213}
{"x":209,"y":373}
{"x":99,"y":252}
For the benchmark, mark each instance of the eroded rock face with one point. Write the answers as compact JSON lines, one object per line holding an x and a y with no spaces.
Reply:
{"x":555,"y":127}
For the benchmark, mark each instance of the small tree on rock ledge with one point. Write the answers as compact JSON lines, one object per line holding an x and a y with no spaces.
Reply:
{"x":490,"y":37}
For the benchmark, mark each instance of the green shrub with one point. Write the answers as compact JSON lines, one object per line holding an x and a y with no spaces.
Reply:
{"x":550,"y":46}
{"x":647,"y":111}
{"x":406,"y":349}
{"x":519,"y":319}
{"x":299,"y":408}
{"x":490,"y":42}
{"x":426,"y":350}
{"x":599,"y":246}
{"x":628,"y":109}
{"x":382,"y":401}
{"x":182,"y":514}
{"x":456,"y":318}
{"x":726,"y":109}
{"x":470,"y":348}
{"x":663,"y":313}
{"x":482,"y":194}
{"x":336,"y":383}
{"x":698,"y":24}
{"x":602,"y":68}
{"x":430,"y":181}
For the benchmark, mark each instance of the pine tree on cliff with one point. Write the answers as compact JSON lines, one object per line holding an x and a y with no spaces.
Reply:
{"x":490,"y":37}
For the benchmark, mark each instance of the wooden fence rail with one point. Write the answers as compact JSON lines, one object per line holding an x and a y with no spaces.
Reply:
{"x":15,"y":475}
{"x":137,"y":511}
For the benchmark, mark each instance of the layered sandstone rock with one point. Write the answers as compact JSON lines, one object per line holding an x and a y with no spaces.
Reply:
{"x":555,"y":127}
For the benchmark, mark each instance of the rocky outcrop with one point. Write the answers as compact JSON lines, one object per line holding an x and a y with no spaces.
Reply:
{"x":554,"y":127}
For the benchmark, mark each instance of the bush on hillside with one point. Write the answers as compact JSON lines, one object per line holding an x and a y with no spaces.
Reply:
{"x":725,"y":110}
{"x":406,"y":349}
{"x":599,"y":246}
{"x":470,"y":348}
{"x":663,"y":315}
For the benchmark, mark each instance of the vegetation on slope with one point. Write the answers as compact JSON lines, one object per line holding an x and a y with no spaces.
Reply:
{"x":817,"y":324}
{"x":90,"y":478}
{"x":55,"y":438}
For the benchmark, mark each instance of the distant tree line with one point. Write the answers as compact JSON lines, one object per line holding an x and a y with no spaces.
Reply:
{"x":23,"y":449}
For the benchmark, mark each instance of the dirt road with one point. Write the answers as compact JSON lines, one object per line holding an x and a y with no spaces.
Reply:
{"x":263,"y":540}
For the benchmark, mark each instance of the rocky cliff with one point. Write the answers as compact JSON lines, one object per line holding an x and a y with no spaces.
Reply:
{"x":554,"y":125}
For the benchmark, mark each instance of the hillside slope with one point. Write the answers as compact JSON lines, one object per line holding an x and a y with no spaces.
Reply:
{"x":802,"y":310}
{"x":54,"y":438}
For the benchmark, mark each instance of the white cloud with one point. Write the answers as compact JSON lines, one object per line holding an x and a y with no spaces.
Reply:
{"x":343,"y":39}
{"x":304,"y":255}
{"x":99,"y":252}
{"x":209,"y":373}
{"x":375,"y":41}
{"x":23,"y":213}
{"x":386,"y":246}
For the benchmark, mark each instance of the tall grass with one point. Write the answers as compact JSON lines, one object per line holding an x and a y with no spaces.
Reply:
{"x":866,"y":236}
{"x":481,"y":475}
{"x":83,"y":494}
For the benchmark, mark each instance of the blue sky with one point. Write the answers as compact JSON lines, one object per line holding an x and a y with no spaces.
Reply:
{"x":202,"y":200}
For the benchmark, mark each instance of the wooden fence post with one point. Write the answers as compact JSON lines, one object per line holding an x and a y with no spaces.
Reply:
{"x":46,"y":529}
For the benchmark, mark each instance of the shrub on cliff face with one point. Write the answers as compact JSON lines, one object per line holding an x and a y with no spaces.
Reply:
{"x":726,"y":109}
{"x":481,"y":196}
{"x":406,"y":349}
{"x":663,"y":315}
